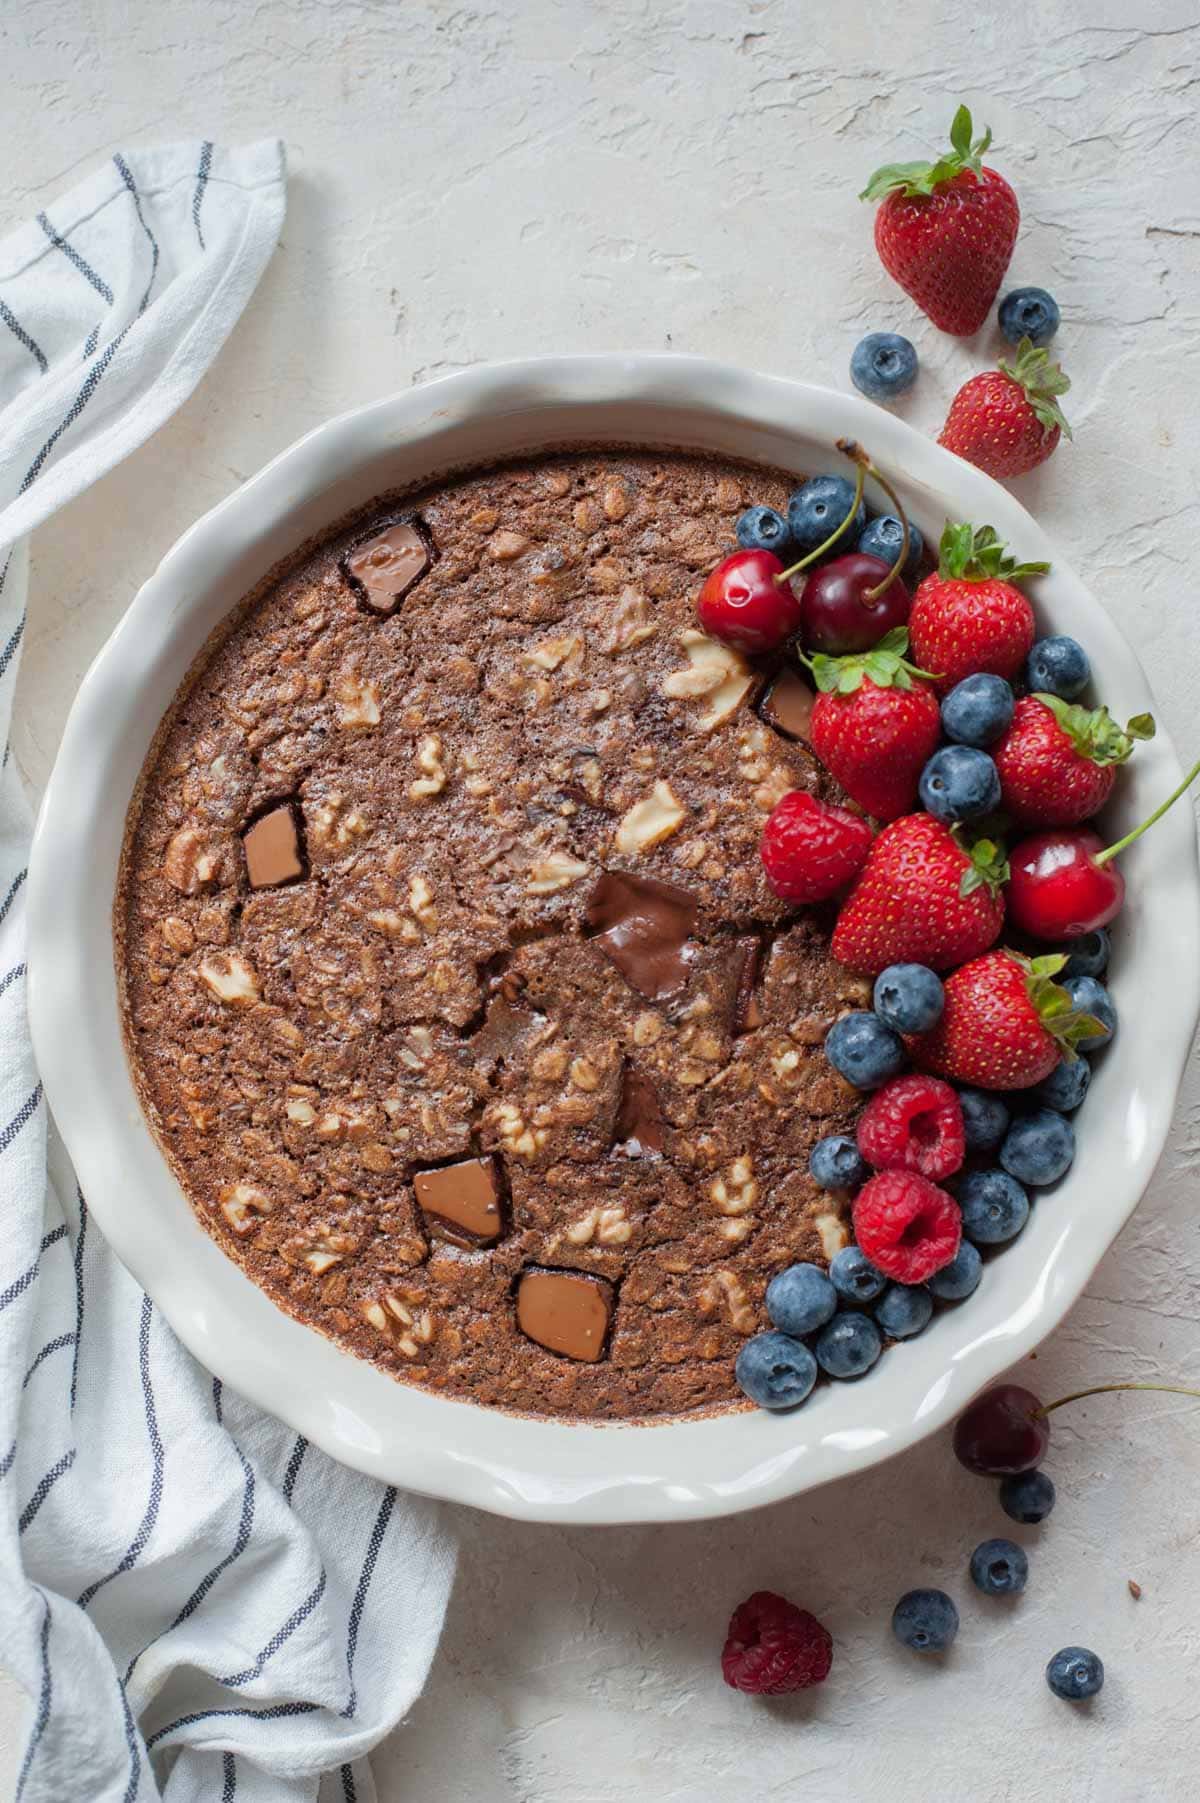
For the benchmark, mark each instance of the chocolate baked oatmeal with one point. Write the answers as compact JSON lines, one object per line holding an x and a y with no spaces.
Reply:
{"x":453,"y":986}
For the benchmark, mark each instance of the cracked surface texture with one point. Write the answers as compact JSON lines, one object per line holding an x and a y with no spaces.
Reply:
{"x":476,"y":182}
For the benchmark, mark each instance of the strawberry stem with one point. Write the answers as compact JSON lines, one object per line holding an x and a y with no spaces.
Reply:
{"x":1048,"y":1408}
{"x":786,"y":575}
{"x":1121,"y":845}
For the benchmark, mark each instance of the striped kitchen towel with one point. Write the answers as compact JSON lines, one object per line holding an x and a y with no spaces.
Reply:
{"x":198,"y":1604}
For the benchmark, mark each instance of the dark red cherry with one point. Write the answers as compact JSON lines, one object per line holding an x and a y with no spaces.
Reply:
{"x":837,"y":615}
{"x":1003,"y":1431}
{"x":1057,"y":890}
{"x":743,"y":604}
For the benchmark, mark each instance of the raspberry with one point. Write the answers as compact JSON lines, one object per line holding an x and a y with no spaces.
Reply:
{"x":907,"y":1226}
{"x":811,"y":850}
{"x":773,"y":1647}
{"x":913,"y":1124}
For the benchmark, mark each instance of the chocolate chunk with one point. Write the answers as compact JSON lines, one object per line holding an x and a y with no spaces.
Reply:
{"x":747,"y":1011}
{"x":461,"y":1202}
{"x":788,"y":704}
{"x":385,"y":568}
{"x":640,"y":1126}
{"x":272,"y":848}
{"x":644,"y":926}
{"x":565,"y":1311}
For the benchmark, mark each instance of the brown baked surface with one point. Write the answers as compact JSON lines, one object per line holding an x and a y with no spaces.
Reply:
{"x":430,"y":989}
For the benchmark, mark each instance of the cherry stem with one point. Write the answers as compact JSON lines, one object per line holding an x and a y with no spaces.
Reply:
{"x":786,"y":575}
{"x":1111,"y":851}
{"x":1107,"y":1390}
{"x":873,"y":594}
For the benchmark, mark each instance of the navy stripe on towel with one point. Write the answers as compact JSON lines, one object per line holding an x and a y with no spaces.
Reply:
{"x":202,"y":175}
{"x":123,"y":170}
{"x":360,"y":1594}
{"x":18,"y":331}
{"x":73,"y":257}
{"x":44,"y":1700}
{"x":137,"y":1545}
{"x":45,"y":1485}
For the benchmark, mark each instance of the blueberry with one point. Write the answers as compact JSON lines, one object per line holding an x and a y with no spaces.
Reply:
{"x":863,"y":1050}
{"x":985,"y":1119}
{"x":909,"y":998}
{"x":994,"y":1207}
{"x":1058,"y":666}
{"x":1065,"y":1087}
{"x":1039,"y":1149}
{"x":762,"y":529}
{"x":1075,"y":1674}
{"x":853,"y":1275}
{"x":904,"y":1310}
{"x":837,"y":1163}
{"x":1088,"y":955}
{"x":801,"y":1299}
{"x":999,"y":1568}
{"x":882,"y":539}
{"x":1029,"y":313}
{"x":775,"y":1371}
{"x":978,"y":710}
{"x":925,"y":1620}
{"x":848,"y":1345}
{"x":1091,"y":997}
{"x":959,"y":783}
{"x":818,"y":509}
{"x":883,"y":365}
{"x":960,"y":1278}
{"x":1028,"y":1497}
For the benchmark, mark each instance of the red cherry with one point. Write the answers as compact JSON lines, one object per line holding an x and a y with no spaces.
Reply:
{"x":1057,"y":890}
{"x":838,"y":614}
{"x":1003,"y":1431}
{"x":743,"y":604}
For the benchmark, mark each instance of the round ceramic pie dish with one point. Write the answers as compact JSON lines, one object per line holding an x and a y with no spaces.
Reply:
{"x":553,"y":1469}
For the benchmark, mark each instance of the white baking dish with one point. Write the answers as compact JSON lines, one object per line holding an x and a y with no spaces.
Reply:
{"x":533,"y":1469}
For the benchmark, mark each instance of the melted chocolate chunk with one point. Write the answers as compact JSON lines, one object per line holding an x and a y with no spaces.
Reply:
{"x":747,"y":1011}
{"x":645,"y":927}
{"x":566,"y":1312}
{"x":640,"y":1126}
{"x":788,"y":704}
{"x":385,"y":568}
{"x":272,"y":848}
{"x":461,"y":1202}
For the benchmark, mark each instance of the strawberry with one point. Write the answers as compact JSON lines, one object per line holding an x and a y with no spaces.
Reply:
{"x":873,"y":726}
{"x":1008,"y":420}
{"x":810,"y":850}
{"x":946,"y":230}
{"x":967,"y":615}
{"x":922,"y":898}
{"x":1058,"y":762}
{"x":1006,"y":1023}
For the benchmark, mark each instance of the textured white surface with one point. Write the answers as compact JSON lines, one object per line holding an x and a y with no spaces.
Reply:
{"x":469,"y":184}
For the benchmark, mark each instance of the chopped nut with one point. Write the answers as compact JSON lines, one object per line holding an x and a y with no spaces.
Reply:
{"x":584,"y":1074}
{"x":650,"y":821}
{"x":178,"y":934}
{"x":715,"y":671}
{"x":420,"y":900}
{"x":287,"y":1031}
{"x":357,"y":702}
{"x":242,"y":1204}
{"x":737,"y":1191}
{"x":735,"y":1231}
{"x":230,"y":978}
{"x":606,"y":1225}
{"x":429,"y":757}
{"x":550,"y":1063}
{"x":507,"y":546}
{"x":647,"y":1029}
{"x":627,"y":622}
{"x":327,"y":1250}
{"x":556,"y":871}
{"x":600,"y":700}
{"x":190,"y":862}
{"x":393,"y":925}
{"x":550,"y":653}
{"x":519,"y":1140}
{"x":615,"y":501}
{"x":331,"y":1126}
{"x":300,"y":1112}
{"x":407,"y":1327}
{"x":484,"y":519}
{"x":831,"y":1230}
{"x":587,"y":516}
{"x":725,"y":1289}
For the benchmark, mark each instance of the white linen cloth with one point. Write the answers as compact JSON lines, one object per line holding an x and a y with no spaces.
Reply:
{"x":199,"y":1604}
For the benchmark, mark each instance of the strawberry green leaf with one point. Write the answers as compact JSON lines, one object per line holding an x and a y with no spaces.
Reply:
{"x":1042,"y":381}
{"x":927,"y":178}
{"x":1055,"y":1009}
{"x":988,"y":867}
{"x":885,"y":664}
{"x":969,"y":553}
{"x":1093,"y":732}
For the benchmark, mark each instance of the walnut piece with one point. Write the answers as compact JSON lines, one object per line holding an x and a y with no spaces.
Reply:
{"x":429,"y":757}
{"x":607,"y":1226}
{"x":518,"y":1138}
{"x":832,"y":1231}
{"x":357,"y":702}
{"x":558,"y":870}
{"x":724,"y":1289}
{"x":190,"y":862}
{"x":230,"y":978}
{"x":736,"y":1192}
{"x":506,"y":546}
{"x":651,"y":820}
{"x":242,"y":1204}
{"x":627,"y":622}
{"x":714,"y":671}
{"x":405,"y":1326}
{"x":550,"y":653}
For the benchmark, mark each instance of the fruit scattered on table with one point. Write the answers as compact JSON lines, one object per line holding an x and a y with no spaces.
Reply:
{"x":922,"y":898}
{"x":994,"y":1207}
{"x":968,"y":616}
{"x":883,"y":365}
{"x":945,"y":230}
{"x":883,"y":537}
{"x":925,"y":1620}
{"x":978,"y":710}
{"x":959,"y":783}
{"x":1075,"y":1673}
{"x":909,"y":998}
{"x":772,"y":1647}
{"x":1007,"y":420}
{"x":999,"y":1568}
{"x":1058,"y":762}
{"x":1029,"y":313}
{"x":1058,"y":665}
{"x":913,"y":1123}
{"x":1005,"y":1025}
{"x":811,"y":849}
{"x":1003,"y":1431}
{"x":906,"y":1225}
{"x":1027,"y":1497}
